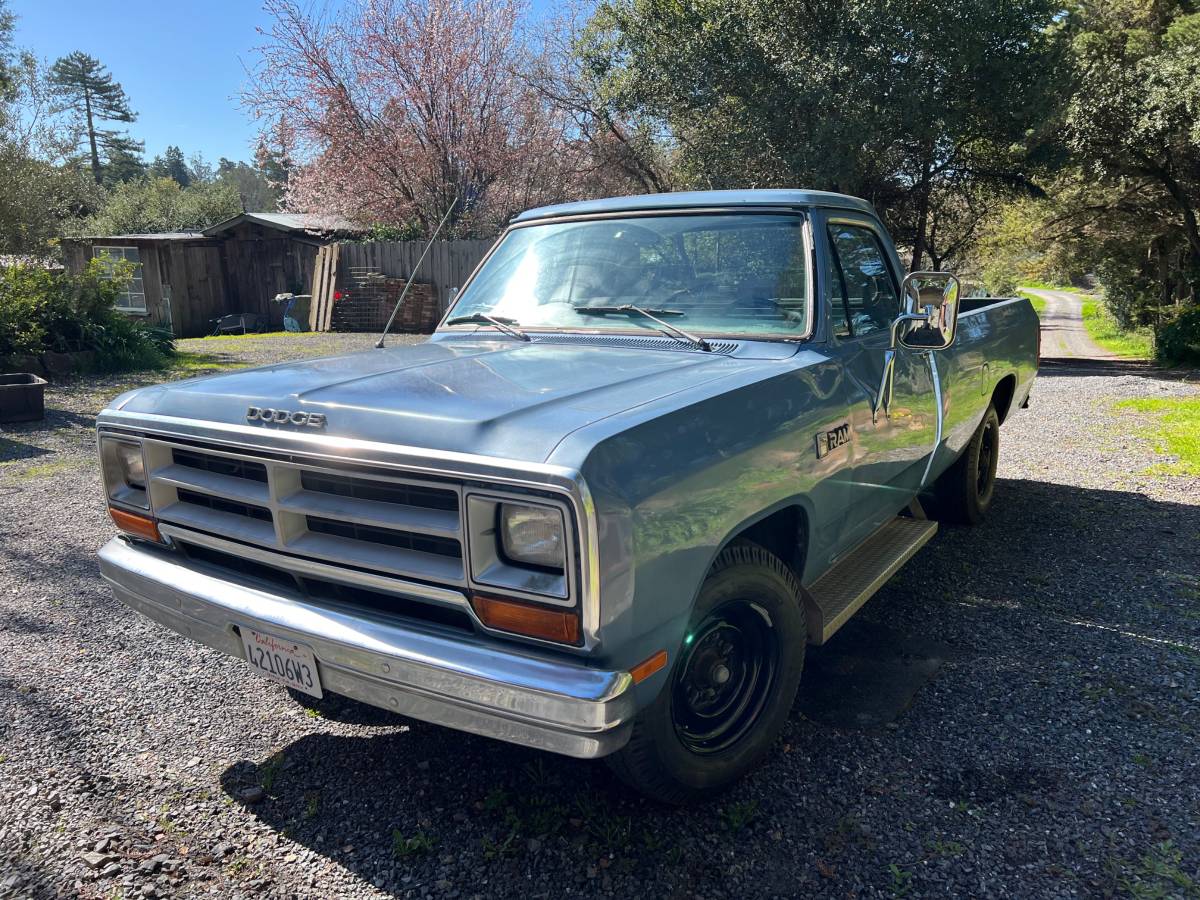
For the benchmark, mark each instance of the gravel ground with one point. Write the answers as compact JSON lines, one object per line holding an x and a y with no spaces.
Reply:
{"x":1048,"y":746}
{"x":1063,"y":334}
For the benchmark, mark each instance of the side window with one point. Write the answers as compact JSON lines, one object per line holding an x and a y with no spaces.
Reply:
{"x":133,"y":298}
{"x":871,"y":298}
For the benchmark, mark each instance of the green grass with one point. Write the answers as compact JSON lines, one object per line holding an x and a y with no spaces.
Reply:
{"x":250,"y":336}
{"x":738,"y":815}
{"x":1039,"y":303}
{"x":186,"y":365}
{"x":20,"y":471}
{"x":420,"y":844}
{"x":1158,"y":875}
{"x":1104,"y":330}
{"x":1174,"y":429}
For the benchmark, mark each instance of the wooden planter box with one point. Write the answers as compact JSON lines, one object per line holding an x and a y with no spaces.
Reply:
{"x":22,"y":398}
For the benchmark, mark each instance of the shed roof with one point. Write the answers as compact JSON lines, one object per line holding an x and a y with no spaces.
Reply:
{"x":159,"y":236}
{"x":308,"y":223}
{"x":698,"y":200}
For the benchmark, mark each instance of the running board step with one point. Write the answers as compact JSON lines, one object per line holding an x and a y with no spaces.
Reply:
{"x":841,"y":592}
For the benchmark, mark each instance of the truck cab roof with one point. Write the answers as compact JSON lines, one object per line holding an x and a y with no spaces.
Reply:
{"x":698,"y":200}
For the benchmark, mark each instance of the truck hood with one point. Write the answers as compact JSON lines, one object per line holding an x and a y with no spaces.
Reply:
{"x":493,"y":397}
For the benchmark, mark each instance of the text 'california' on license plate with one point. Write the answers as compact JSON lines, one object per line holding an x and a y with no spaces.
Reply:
{"x":281,"y":660}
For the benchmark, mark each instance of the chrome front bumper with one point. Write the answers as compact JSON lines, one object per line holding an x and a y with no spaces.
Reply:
{"x":464,"y":683}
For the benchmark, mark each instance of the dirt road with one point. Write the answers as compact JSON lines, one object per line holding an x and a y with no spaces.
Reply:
{"x":1063,"y":334}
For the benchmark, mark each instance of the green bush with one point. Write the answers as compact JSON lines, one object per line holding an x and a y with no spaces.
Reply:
{"x":1178,"y":341}
{"x":43,"y":311}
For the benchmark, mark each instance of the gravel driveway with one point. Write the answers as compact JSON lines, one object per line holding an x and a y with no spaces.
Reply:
{"x":1017,"y":714}
{"x":1063,"y":331}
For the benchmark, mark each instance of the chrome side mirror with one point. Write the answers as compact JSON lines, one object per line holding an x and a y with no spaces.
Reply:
{"x":930,"y":318}
{"x":929,"y":321}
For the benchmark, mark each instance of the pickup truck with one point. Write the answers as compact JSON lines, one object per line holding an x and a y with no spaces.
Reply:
{"x":657,"y":446}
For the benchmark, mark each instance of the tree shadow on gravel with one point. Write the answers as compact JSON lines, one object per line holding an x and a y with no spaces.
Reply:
{"x":1050,"y":549}
{"x":1057,"y":578}
{"x":1078,"y":367}
{"x":390,"y":806}
{"x":11,"y":451}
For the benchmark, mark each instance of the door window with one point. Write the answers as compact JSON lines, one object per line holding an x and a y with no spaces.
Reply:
{"x":868,"y":292}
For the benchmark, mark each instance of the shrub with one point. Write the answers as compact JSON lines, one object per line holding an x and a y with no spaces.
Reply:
{"x":43,"y":311}
{"x":1178,"y":341}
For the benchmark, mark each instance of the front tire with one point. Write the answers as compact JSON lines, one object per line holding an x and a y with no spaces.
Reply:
{"x":731,"y":688}
{"x":965,"y":491}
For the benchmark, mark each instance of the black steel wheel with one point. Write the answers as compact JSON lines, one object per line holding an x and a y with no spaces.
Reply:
{"x":965,"y":491}
{"x":724,"y":677}
{"x":730,"y":688}
{"x":987,"y":459}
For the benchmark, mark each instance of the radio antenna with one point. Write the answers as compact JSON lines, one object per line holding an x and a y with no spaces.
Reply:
{"x":412,"y":276}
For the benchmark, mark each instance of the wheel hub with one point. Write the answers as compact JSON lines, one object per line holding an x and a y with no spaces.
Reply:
{"x":724,"y":678}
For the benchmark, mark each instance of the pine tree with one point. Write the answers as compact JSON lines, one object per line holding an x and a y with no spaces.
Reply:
{"x":87,"y":87}
{"x":123,"y":166}
{"x":172,"y":165}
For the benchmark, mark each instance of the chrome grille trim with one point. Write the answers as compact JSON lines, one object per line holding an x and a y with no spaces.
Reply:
{"x":300,"y":566}
{"x":290,"y":505}
{"x":244,"y":440}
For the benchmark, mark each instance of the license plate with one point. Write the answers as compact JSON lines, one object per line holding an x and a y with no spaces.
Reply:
{"x":284,"y":661}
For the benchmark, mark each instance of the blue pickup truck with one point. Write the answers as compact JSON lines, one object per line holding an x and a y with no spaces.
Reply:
{"x":657,"y":446}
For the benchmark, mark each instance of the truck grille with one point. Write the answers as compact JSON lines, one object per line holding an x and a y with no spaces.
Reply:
{"x":392,"y":526}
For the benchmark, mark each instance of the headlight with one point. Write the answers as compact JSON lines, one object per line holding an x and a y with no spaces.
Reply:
{"x":532,"y":535}
{"x":124,"y":471}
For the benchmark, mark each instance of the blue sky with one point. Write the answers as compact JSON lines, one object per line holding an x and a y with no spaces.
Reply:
{"x":182,"y":64}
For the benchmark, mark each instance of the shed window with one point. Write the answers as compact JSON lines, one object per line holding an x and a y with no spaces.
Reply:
{"x":133,"y":298}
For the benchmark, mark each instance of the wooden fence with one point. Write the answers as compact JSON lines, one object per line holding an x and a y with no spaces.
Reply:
{"x":352,"y":267}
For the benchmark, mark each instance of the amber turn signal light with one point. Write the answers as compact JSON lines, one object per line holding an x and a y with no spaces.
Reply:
{"x":648,"y":667}
{"x":531,"y":621}
{"x":137,"y":525}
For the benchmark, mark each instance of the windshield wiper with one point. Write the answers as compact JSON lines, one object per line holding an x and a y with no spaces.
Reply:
{"x":503,"y":324}
{"x":651,"y":314}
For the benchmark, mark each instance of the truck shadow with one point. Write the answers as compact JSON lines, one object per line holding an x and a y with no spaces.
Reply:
{"x":407,"y":806}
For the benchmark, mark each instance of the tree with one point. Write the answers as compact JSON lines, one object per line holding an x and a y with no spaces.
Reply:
{"x":273,"y":156}
{"x":616,"y":152}
{"x":7,"y":61}
{"x":171,"y":165}
{"x":257,"y":192}
{"x":39,"y":187}
{"x":123,"y":165}
{"x":397,"y":107}
{"x":154,"y":205}
{"x":910,"y":104}
{"x":199,"y":169}
{"x":87,"y":88}
{"x":1132,"y":127}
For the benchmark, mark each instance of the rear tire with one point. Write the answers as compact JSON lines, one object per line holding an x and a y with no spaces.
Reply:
{"x":965,"y":491}
{"x":732,"y":686}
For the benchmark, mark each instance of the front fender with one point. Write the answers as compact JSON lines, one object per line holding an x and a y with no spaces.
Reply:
{"x":672,"y":491}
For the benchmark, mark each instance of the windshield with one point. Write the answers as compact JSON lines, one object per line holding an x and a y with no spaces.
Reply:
{"x":744,"y":273}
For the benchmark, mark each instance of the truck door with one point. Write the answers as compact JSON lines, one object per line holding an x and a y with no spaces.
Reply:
{"x":892,"y":447}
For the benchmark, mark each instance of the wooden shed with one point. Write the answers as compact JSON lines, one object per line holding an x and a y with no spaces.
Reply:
{"x":185,"y":280}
